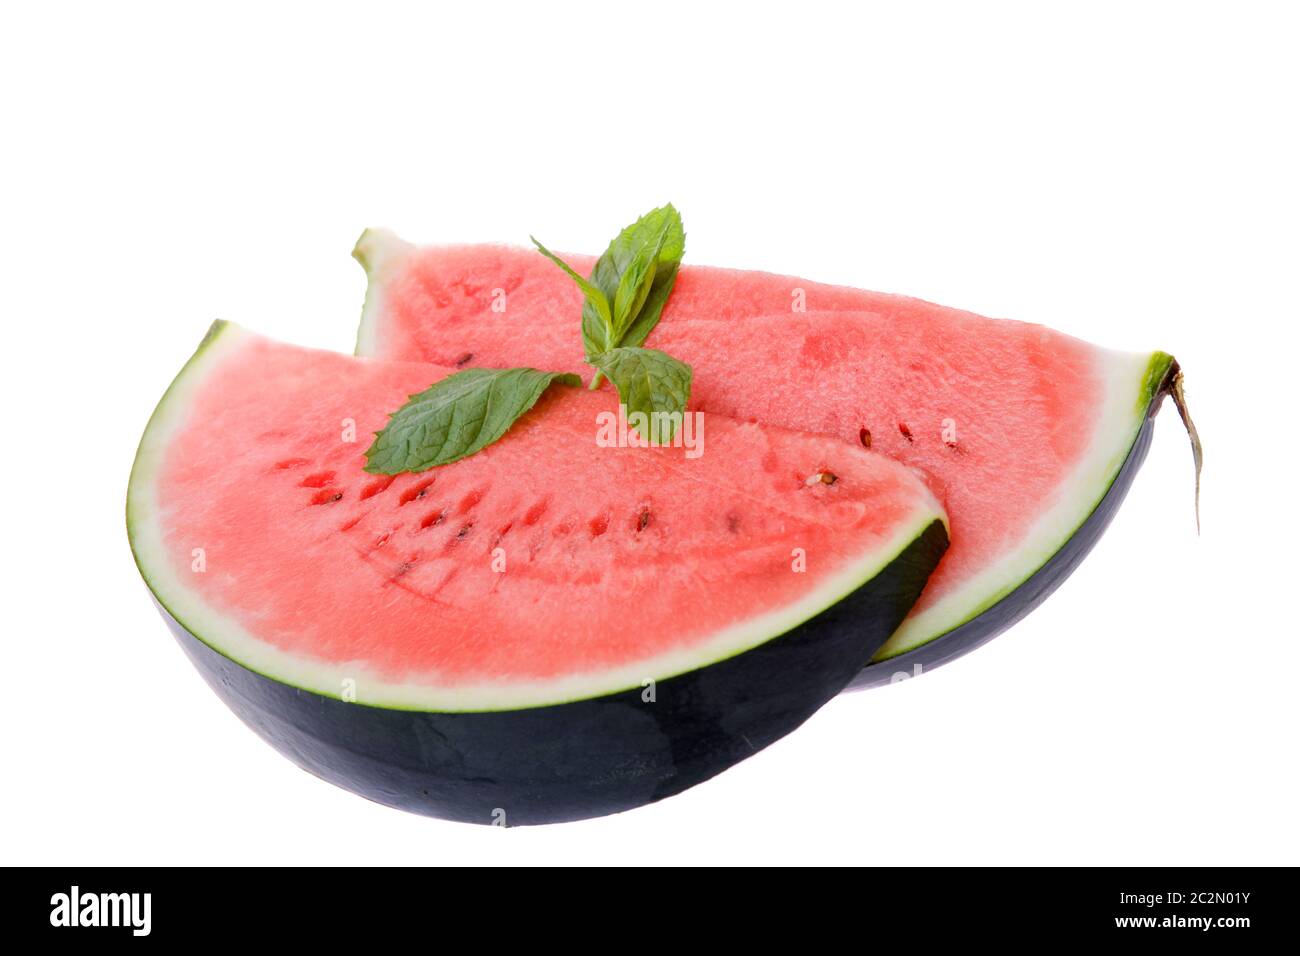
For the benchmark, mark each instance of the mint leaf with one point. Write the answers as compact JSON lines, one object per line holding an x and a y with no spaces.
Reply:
{"x":636,"y":280}
{"x":609,"y":268}
{"x":597,"y":303}
{"x":456,"y":417}
{"x":652,"y":383}
{"x":665,"y":276}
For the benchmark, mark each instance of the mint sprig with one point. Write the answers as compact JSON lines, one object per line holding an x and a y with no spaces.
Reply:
{"x":456,"y":417}
{"x":625,"y":297}
{"x":643,"y":257}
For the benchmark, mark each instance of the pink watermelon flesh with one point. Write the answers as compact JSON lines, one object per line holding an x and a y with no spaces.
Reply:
{"x":1020,"y":429}
{"x":619,"y":564}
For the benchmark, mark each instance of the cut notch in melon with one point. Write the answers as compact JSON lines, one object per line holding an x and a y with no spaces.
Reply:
{"x":1031,"y":469}
{"x":329,"y":606}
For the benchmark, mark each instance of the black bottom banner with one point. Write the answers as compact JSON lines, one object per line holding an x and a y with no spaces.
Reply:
{"x":335,"y":906}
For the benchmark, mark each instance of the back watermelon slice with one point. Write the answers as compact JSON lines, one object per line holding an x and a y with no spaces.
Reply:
{"x":546,"y":630}
{"x":1030,"y":437}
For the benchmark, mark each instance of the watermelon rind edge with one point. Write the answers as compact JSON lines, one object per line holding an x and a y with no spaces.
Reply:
{"x":1161,"y":376}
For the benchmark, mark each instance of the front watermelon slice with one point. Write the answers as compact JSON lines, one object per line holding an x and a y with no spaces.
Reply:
{"x":545,"y":631}
{"x":1030,"y":437}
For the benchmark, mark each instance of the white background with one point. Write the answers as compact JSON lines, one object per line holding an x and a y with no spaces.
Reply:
{"x":1124,"y":172}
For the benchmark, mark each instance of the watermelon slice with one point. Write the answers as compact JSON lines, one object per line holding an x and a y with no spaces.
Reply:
{"x":544,"y":631}
{"x":1031,"y":437}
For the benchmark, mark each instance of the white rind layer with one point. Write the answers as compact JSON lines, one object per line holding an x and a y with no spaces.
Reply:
{"x":162,"y":572}
{"x":1119,"y":418}
{"x":376,"y":250}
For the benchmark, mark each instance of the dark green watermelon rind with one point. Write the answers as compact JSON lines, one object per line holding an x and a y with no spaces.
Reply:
{"x":584,"y":758}
{"x":1163,"y":377}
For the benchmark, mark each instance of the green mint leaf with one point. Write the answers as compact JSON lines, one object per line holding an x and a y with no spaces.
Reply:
{"x":634,"y":285}
{"x":659,"y":229}
{"x":652,"y":383}
{"x":636,"y":333}
{"x":615,"y":260}
{"x":456,"y":417}
{"x":597,"y":303}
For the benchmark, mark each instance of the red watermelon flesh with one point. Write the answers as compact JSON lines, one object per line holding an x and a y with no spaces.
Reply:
{"x":1020,"y":429}
{"x":545,"y":568}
